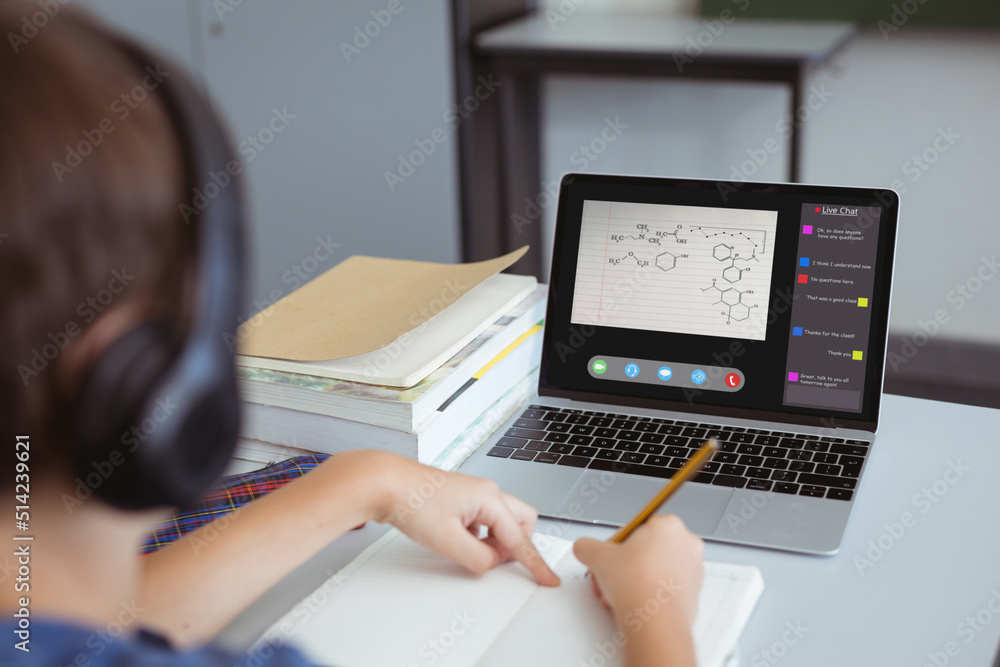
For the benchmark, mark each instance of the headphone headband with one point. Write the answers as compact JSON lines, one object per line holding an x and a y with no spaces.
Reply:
{"x":179,"y":405}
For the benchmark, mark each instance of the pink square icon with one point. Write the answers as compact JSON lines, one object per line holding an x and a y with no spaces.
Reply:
{"x":807,"y":229}
{"x":793,"y":377}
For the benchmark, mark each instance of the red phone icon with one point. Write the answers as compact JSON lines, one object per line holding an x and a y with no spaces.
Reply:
{"x":732,"y":380}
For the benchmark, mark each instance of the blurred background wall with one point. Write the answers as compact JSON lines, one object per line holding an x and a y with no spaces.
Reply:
{"x":345,"y":119}
{"x":338,"y":178}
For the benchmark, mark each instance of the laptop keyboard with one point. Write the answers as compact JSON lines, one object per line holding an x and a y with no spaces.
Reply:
{"x":750,"y":458}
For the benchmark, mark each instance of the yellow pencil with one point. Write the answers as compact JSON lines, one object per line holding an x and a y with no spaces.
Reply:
{"x":687,"y":471}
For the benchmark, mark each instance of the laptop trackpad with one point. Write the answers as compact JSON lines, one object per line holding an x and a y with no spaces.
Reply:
{"x":614,"y":499}
{"x":700,"y":506}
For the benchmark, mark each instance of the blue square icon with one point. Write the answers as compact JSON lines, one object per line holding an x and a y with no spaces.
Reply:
{"x":796,"y":331}
{"x":803,"y":261}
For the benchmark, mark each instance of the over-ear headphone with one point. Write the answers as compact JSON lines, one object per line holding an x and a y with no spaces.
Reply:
{"x":164,"y":413}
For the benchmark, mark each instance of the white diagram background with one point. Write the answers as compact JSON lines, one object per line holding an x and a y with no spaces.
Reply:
{"x":680,"y":269}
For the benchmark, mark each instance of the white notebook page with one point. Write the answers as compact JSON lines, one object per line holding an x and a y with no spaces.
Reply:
{"x":568,"y":626}
{"x":401,"y":604}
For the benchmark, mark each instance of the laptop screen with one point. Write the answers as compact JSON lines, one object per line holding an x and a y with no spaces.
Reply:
{"x":752,"y":300}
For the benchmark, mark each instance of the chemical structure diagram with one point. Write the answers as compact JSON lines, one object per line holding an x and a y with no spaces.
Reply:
{"x":735,"y":251}
{"x":665,"y":261}
{"x":628,"y":257}
{"x":732,"y":297}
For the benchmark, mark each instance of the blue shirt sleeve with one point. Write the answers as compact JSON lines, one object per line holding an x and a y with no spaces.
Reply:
{"x":55,"y":644}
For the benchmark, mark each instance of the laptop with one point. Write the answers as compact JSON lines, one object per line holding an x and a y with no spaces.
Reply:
{"x":680,"y":310}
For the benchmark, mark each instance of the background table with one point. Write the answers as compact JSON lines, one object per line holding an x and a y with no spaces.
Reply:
{"x":910,"y":600}
{"x":526,"y":49}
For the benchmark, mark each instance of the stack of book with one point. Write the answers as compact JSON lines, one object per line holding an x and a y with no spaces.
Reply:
{"x":363,"y":402}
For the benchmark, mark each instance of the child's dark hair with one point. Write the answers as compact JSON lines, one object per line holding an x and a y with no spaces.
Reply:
{"x":91,"y":179}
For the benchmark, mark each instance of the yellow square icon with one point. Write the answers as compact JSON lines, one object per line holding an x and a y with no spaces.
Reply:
{"x":862,"y":303}
{"x":857,"y":355}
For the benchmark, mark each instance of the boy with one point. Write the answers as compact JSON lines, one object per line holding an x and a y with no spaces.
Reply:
{"x":92,"y":245}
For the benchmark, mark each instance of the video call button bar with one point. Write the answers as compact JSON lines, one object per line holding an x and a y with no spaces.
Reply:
{"x":666,"y":373}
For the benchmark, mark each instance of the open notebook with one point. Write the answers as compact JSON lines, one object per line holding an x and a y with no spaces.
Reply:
{"x":426,"y":347}
{"x":401,"y":604}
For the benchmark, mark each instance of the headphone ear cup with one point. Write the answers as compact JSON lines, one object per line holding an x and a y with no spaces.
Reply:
{"x":109,"y":413}
{"x":196,"y":423}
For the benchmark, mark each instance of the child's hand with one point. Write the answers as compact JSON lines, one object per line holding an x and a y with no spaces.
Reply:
{"x":444,"y":511}
{"x":660,"y":561}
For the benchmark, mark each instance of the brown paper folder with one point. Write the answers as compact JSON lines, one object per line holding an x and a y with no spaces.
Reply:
{"x":361,"y":305}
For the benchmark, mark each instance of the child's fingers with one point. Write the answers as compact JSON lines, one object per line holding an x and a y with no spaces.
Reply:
{"x":597,"y":591}
{"x":592,"y":553}
{"x":467,"y":550}
{"x":588,"y":550}
{"x":509,"y":535}
{"x":524,"y":514}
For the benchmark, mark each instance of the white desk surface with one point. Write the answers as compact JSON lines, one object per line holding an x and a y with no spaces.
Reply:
{"x":911,"y":601}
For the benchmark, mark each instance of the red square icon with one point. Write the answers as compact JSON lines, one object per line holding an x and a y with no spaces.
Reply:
{"x":803,"y":278}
